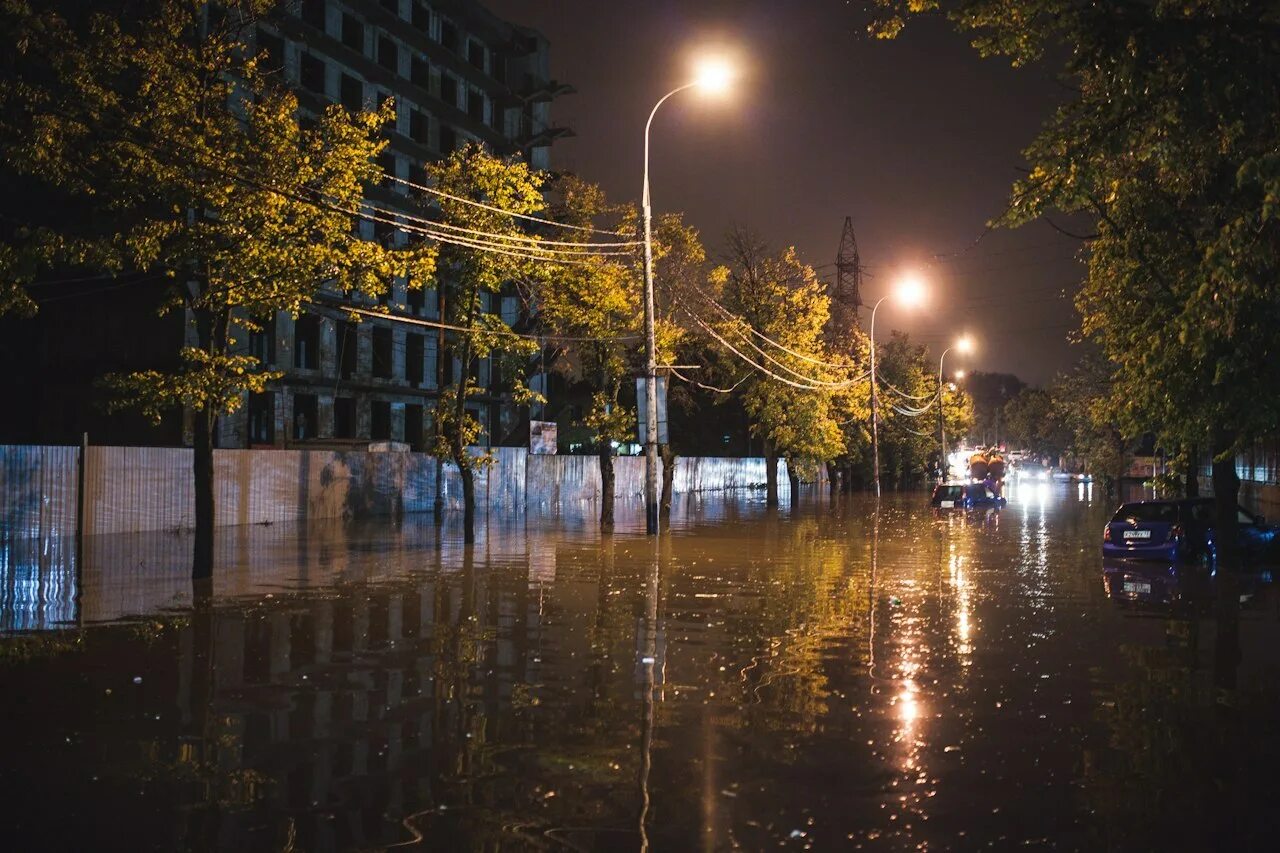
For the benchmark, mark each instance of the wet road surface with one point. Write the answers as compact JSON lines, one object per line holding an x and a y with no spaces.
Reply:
{"x":832,"y":676}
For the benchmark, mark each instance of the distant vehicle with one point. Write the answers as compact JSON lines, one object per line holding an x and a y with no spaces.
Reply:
{"x":1179,"y":530}
{"x":964,"y":496}
{"x":1032,"y":471}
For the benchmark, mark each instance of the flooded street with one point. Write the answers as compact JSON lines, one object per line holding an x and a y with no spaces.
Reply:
{"x":829,"y":676}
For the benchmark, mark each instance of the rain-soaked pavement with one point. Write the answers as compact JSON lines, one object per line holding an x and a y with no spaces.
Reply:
{"x":824,"y":677}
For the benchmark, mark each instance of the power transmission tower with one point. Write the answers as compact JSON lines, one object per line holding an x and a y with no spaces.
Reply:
{"x":848,"y":290}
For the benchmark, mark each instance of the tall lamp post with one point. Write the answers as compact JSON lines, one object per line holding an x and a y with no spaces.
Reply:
{"x":964,"y":345}
{"x":711,"y":77}
{"x":910,"y":292}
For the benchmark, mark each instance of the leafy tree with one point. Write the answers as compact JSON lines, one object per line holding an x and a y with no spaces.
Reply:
{"x":1033,"y":422}
{"x":184,"y":158}
{"x":469,"y":176}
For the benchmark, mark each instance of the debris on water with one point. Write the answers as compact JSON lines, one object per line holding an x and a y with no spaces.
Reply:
{"x":895,"y":601}
{"x":137,"y":679}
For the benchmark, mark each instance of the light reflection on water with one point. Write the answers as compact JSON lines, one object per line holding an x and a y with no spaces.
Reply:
{"x":850,"y":672}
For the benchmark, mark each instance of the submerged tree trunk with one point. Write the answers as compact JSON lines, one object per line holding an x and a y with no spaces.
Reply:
{"x":669,"y":459}
{"x":1193,"y":472}
{"x":770,"y":474}
{"x":468,"y":477}
{"x":607,"y":481}
{"x":1226,"y":494}
{"x":202,"y":465}
{"x":793,"y":480}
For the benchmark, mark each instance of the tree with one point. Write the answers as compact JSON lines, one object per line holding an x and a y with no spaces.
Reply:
{"x":185,"y":158}
{"x":482,"y":192}
{"x":1032,"y":422}
{"x":777,"y":310}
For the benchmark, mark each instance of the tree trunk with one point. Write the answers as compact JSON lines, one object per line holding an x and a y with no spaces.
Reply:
{"x":1226,"y":494}
{"x":202,"y":465}
{"x":793,"y":480}
{"x":1193,"y":472}
{"x":606,"y":486}
{"x":770,"y":474}
{"x":468,"y":503}
{"x":669,"y":459}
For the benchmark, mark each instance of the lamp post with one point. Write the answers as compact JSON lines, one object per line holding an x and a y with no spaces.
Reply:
{"x":910,"y":291}
{"x":712,"y":77}
{"x":964,"y":345}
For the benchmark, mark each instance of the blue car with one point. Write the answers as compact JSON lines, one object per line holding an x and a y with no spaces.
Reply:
{"x":964,"y":496}
{"x":1179,"y":530}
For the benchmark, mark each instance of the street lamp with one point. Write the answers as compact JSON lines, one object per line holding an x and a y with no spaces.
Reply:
{"x":908,"y":293}
{"x":712,"y":76}
{"x":964,"y":345}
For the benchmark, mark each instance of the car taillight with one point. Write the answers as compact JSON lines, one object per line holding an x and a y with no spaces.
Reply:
{"x":1175,"y":532}
{"x":1106,"y":533}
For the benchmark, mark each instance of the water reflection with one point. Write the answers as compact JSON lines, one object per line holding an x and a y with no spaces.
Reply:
{"x":851,"y":673}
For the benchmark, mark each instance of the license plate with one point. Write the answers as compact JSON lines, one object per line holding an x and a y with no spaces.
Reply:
{"x":1137,"y":587}
{"x":1137,"y":534}
{"x":947,"y":504}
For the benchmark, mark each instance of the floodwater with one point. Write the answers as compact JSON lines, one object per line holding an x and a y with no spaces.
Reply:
{"x":837,"y":675}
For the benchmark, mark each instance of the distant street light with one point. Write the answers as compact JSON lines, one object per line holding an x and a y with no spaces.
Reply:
{"x":713,"y":76}
{"x":964,"y":345}
{"x":909,"y":293}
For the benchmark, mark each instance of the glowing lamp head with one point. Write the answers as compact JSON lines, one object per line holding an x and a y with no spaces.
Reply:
{"x":713,"y":76}
{"x":910,"y":291}
{"x":959,"y":374}
{"x":965,"y":344}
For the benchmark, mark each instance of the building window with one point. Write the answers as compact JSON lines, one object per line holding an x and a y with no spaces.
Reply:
{"x":351,"y":93}
{"x":387,"y":162}
{"x":475,"y":105}
{"x":449,"y":90}
{"x":388,"y":54}
{"x":262,"y":345}
{"x":419,"y":127}
{"x":448,"y":139}
{"x":380,"y":420}
{"x":413,"y":426}
{"x":313,"y":13}
{"x":382,"y":360}
{"x":270,"y":52}
{"x":449,"y":35}
{"x":392,"y":6}
{"x":414,"y":358}
{"x":305,"y":416}
{"x":313,"y":73}
{"x":383,"y":98}
{"x":262,"y":418}
{"x":475,"y":54}
{"x":421,"y":18}
{"x":344,"y":417}
{"x":348,"y":349}
{"x":352,"y":33}
{"x":415,"y":297}
{"x":420,"y":72}
{"x":306,"y":343}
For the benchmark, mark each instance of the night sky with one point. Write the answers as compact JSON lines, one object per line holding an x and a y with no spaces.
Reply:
{"x":917,"y":139}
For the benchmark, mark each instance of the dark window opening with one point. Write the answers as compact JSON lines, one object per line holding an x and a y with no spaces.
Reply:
{"x":422,"y":17}
{"x":449,"y":35}
{"x":313,"y":13}
{"x":387,"y":162}
{"x":313,"y":74}
{"x":262,"y":418}
{"x":415,"y":298}
{"x":344,"y":417}
{"x":382,"y":360}
{"x":351,"y":93}
{"x":449,"y":90}
{"x":305,"y":416}
{"x":383,"y":97}
{"x":413,"y":426}
{"x":475,"y":54}
{"x":448,"y":139}
{"x":419,"y":126}
{"x":392,"y":6}
{"x":420,"y":72}
{"x":384,"y":233}
{"x":353,"y":33}
{"x":414,"y":358}
{"x":498,"y":67}
{"x":380,"y":420}
{"x":262,"y":345}
{"x":306,"y":343}
{"x":270,"y":52}
{"x":348,"y":349}
{"x":388,"y":54}
{"x":475,"y":105}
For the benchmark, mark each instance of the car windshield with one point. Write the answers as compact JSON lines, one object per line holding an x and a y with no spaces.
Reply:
{"x":949,"y":493}
{"x":1135,"y":513}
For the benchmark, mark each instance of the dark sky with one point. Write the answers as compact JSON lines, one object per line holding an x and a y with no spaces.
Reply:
{"x":917,"y":139}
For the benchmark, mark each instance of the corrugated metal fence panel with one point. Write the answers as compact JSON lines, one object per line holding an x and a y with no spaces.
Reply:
{"x":508,"y":477}
{"x":133,"y":489}
{"x":38,"y":492}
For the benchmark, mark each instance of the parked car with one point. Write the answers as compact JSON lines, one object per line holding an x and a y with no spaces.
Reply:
{"x":1179,"y":530}
{"x":964,"y":495}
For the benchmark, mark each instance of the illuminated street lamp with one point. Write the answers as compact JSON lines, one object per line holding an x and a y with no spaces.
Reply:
{"x":909,"y":293}
{"x":964,"y":345}
{"x":712,"y":76}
